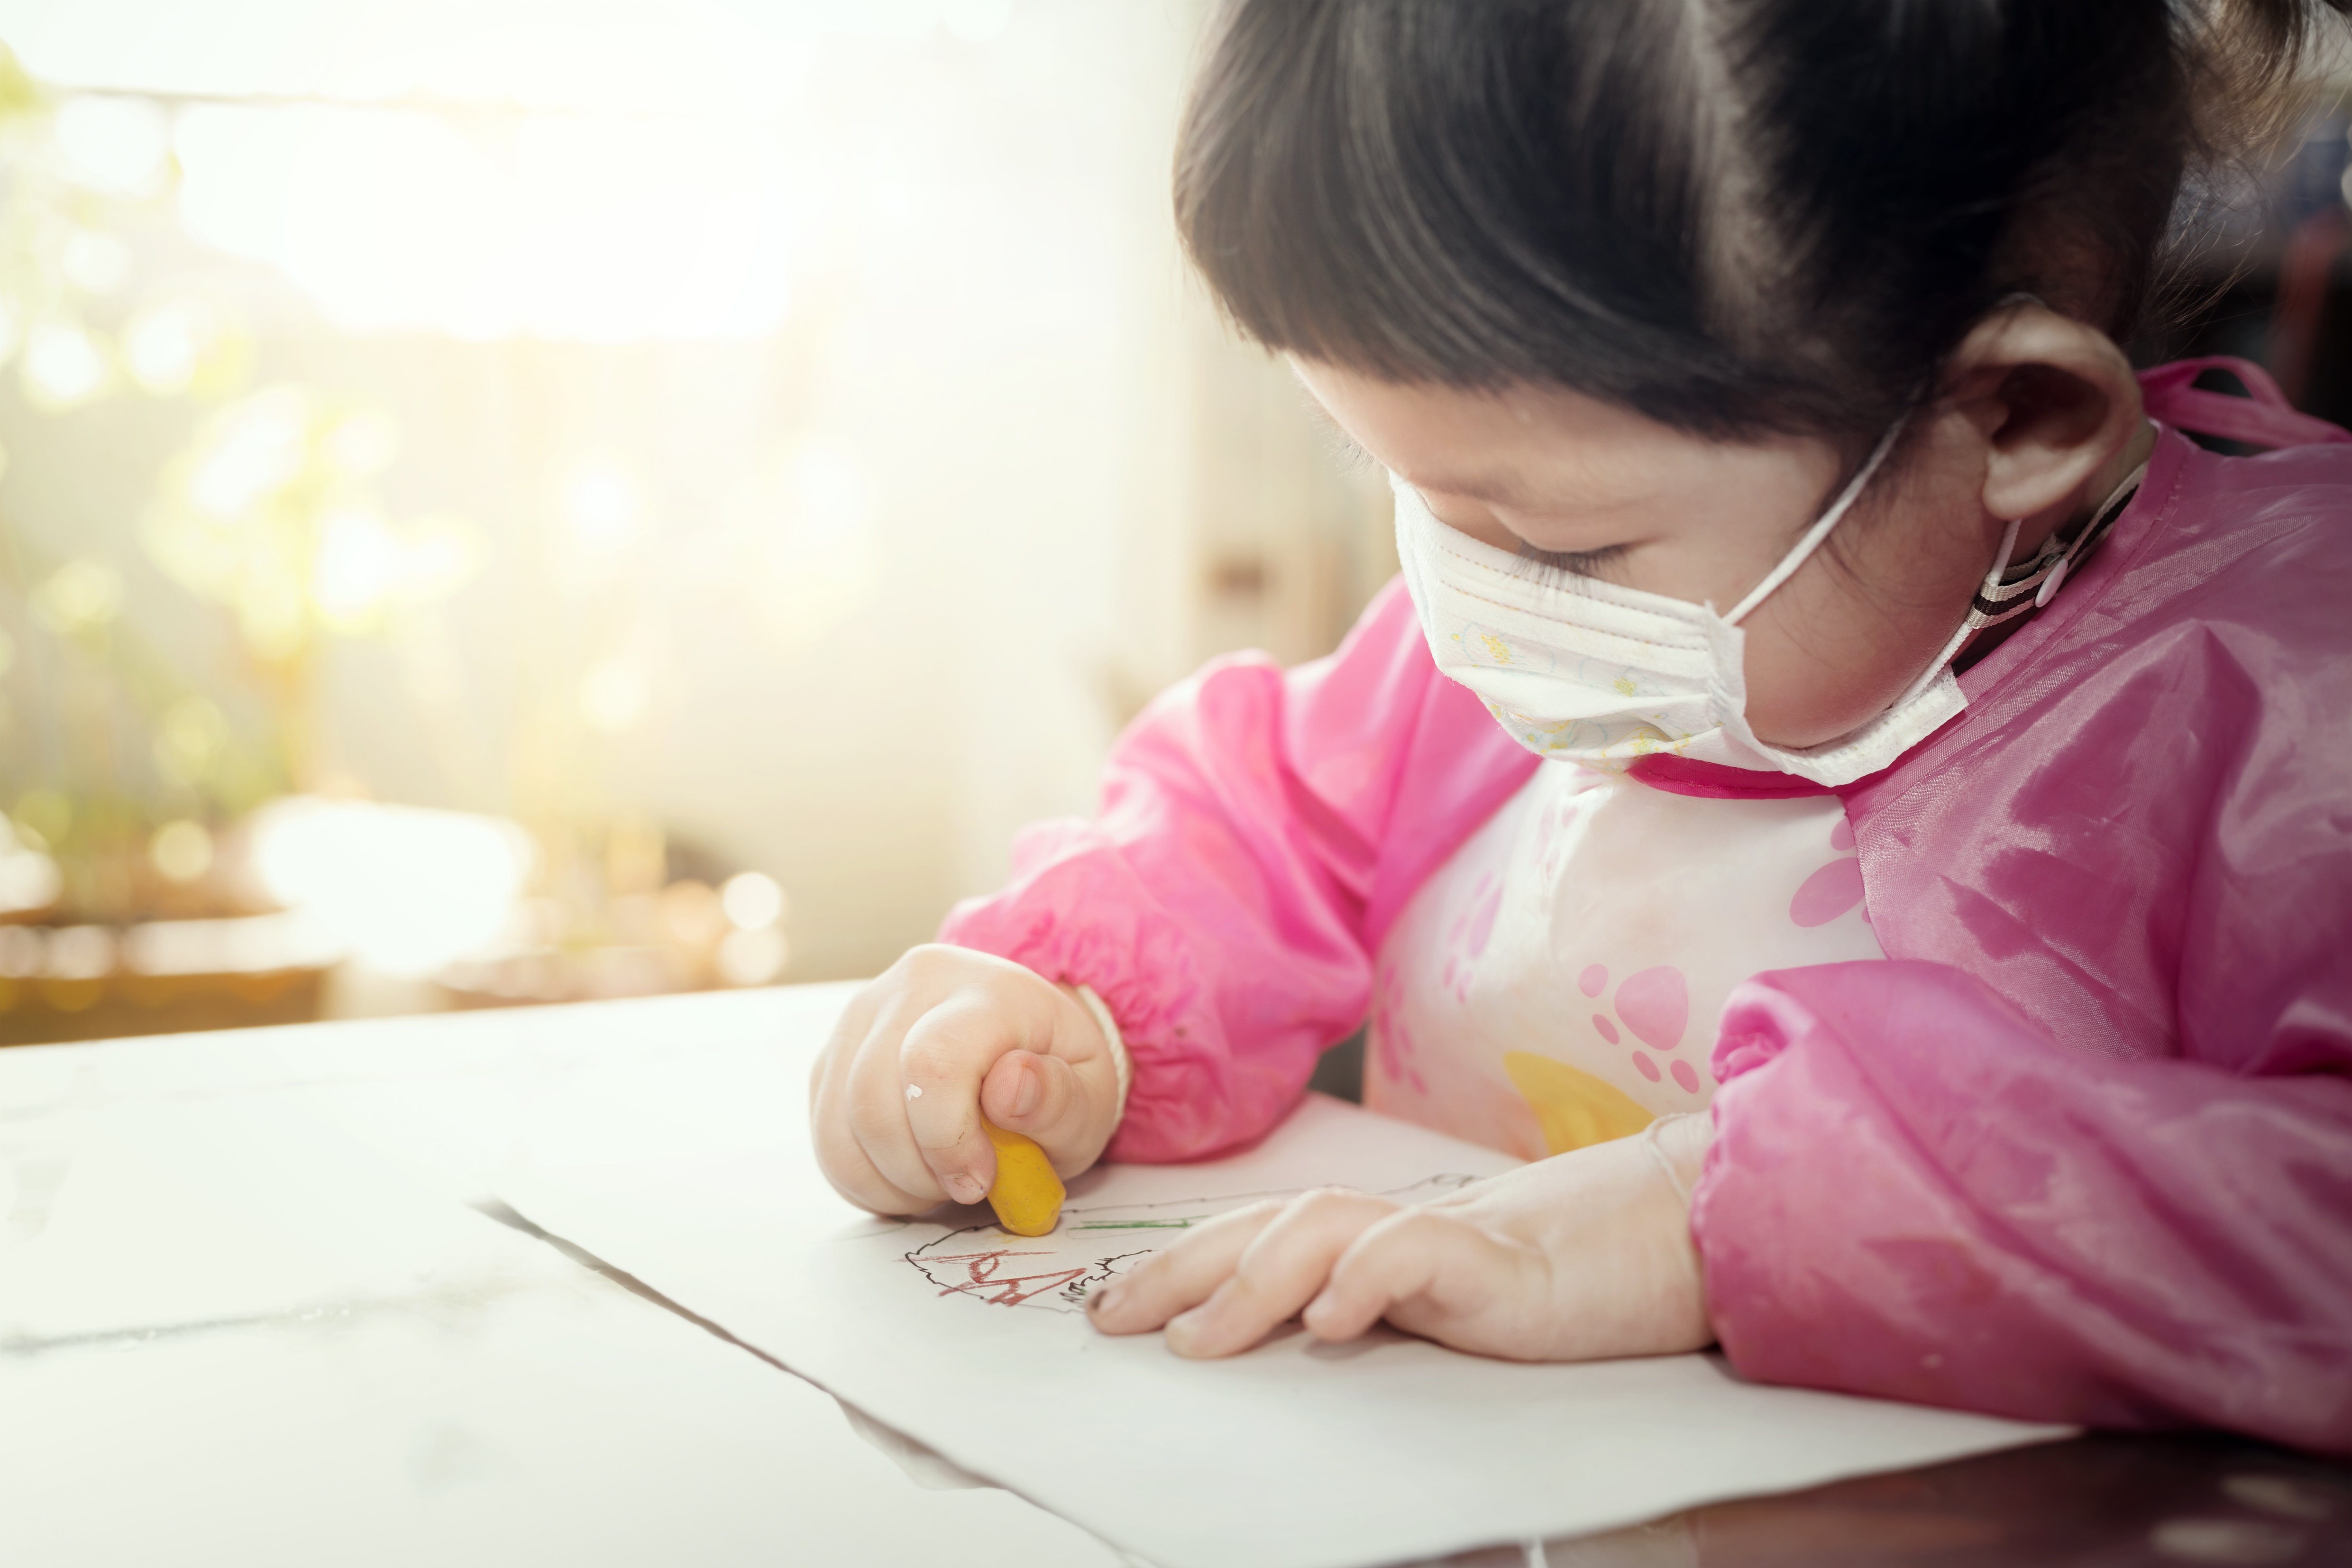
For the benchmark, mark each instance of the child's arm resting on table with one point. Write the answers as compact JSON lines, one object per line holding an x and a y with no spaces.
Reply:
{"x":1584,"y":1255}
{"x":1909,"y":1192}
{"x":1915,"y":1192}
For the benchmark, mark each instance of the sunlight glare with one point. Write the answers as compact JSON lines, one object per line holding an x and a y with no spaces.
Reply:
{"x":181,"y":850}
{"x":975,"y":21}
{"x":362,"y":444}
{"x":614,"y":694}
{"x":260,"y":450}
{"x":193,"y":735}
{"x":358,"y":566}
{"x":752,"y":901}
{"x":114,"y":145}
{"x":95,"y":263}
{"x":600,"y":508}
{"x":751,"y":957}
{"x":65,"y":366}
{"x":814,"y":554}
{"x":163,"y":346}
{"x":80,"y":597}
{"x":405,"y":889}
{"x":29,"y":878}
{"x":593,"y":228}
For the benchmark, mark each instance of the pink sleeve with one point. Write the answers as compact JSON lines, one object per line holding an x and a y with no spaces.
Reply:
{"x":1915,"y":1192}
{"x":1258,"y":827}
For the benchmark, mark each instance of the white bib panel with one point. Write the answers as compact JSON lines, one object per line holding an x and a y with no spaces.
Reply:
{"x":1560,"y":981}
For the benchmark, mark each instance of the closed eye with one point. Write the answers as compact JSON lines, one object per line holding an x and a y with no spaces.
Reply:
{"x":1556,"y":566}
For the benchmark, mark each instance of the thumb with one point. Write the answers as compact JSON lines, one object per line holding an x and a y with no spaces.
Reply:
{"x":1065,"y":1106}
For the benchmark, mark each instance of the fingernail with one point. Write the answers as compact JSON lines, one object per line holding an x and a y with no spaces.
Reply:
{"x":1184,"y":1332}
{"x":1025,"y":1099}
{"x":1102,"y":1300}
{"x":965,"y":1190}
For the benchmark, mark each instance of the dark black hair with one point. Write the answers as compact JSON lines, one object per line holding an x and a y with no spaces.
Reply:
{"x":1732,"y":215}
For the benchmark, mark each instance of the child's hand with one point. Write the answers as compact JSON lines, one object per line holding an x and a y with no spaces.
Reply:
{"x":944,"y":1036}
{"x":1584,"y":1255}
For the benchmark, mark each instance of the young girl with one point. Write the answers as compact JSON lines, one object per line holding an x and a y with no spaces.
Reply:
{"x":1845,"y":785}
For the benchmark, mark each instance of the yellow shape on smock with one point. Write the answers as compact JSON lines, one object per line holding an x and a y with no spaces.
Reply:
{"x":1028,"y":1196}
{"x":1575,"y":1108}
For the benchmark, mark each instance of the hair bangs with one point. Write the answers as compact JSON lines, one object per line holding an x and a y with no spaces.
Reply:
{"x":1358,"y":183}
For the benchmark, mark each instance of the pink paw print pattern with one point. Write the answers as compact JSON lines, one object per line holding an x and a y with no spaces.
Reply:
{"x":1392,"y":1044}
{"x":1654,"y":1005}
{"x":1835,"y":888}
{"x":1469,"y":934}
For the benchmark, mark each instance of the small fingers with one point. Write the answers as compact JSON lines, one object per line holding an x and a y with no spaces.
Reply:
{"x":1183,"y":1276}
{"x":1021,"y":1090}
{"x":1065,"y":1106}
{"x":855,"y":1176}
{"x":876,"y":1109}
{"x":833,"y":1125}
{"x":941,"y":1066}
{"x":849,"y":1031}
{"x":1223,"y":1288}
{"x":1419,"y":1269}
{"x":1285,"y":1266}
{"x":895,"y":1098}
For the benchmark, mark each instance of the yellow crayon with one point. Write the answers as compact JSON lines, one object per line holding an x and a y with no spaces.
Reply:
{"x":1028,"y":1196}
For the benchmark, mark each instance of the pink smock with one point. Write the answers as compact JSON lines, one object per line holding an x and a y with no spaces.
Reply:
{"x":2079,"y":1149}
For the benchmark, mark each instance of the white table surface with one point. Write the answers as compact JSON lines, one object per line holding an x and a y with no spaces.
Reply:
{"x":253,"y":1312}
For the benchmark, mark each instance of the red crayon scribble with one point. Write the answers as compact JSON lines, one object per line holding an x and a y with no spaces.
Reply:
{"x":1011,"y":1290}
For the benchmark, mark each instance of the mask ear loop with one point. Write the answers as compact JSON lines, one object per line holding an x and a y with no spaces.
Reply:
{"x":1970,"y":624}
{"x":1997,"y":601}
{"x":1802,"y":551}
{"x":1811,"y":542}
{"x":2040,"y":578}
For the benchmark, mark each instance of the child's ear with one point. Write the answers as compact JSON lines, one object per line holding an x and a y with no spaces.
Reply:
{"x":2051,"y":399}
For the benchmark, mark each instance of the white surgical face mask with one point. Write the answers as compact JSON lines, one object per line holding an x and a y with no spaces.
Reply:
{"x":1590,"y":672}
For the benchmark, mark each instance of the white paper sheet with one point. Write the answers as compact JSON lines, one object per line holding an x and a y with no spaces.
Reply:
{"x":1297,"y":1454}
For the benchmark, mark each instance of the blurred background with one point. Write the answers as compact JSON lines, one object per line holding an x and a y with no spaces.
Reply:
{"x":513,"y":501}
{"x":527,"y":499}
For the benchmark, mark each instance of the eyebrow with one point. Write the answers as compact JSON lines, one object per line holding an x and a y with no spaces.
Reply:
{"x":1495,"y":486}
{"x":1494,"y":489}
{"x":1500,"y":485}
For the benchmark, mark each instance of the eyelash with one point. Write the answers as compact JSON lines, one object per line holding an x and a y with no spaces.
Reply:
{"x":1551,"y":567}
{"x":1554,"y":565}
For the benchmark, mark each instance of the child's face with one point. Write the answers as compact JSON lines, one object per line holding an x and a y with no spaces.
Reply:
{"x":1702,"y":520}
